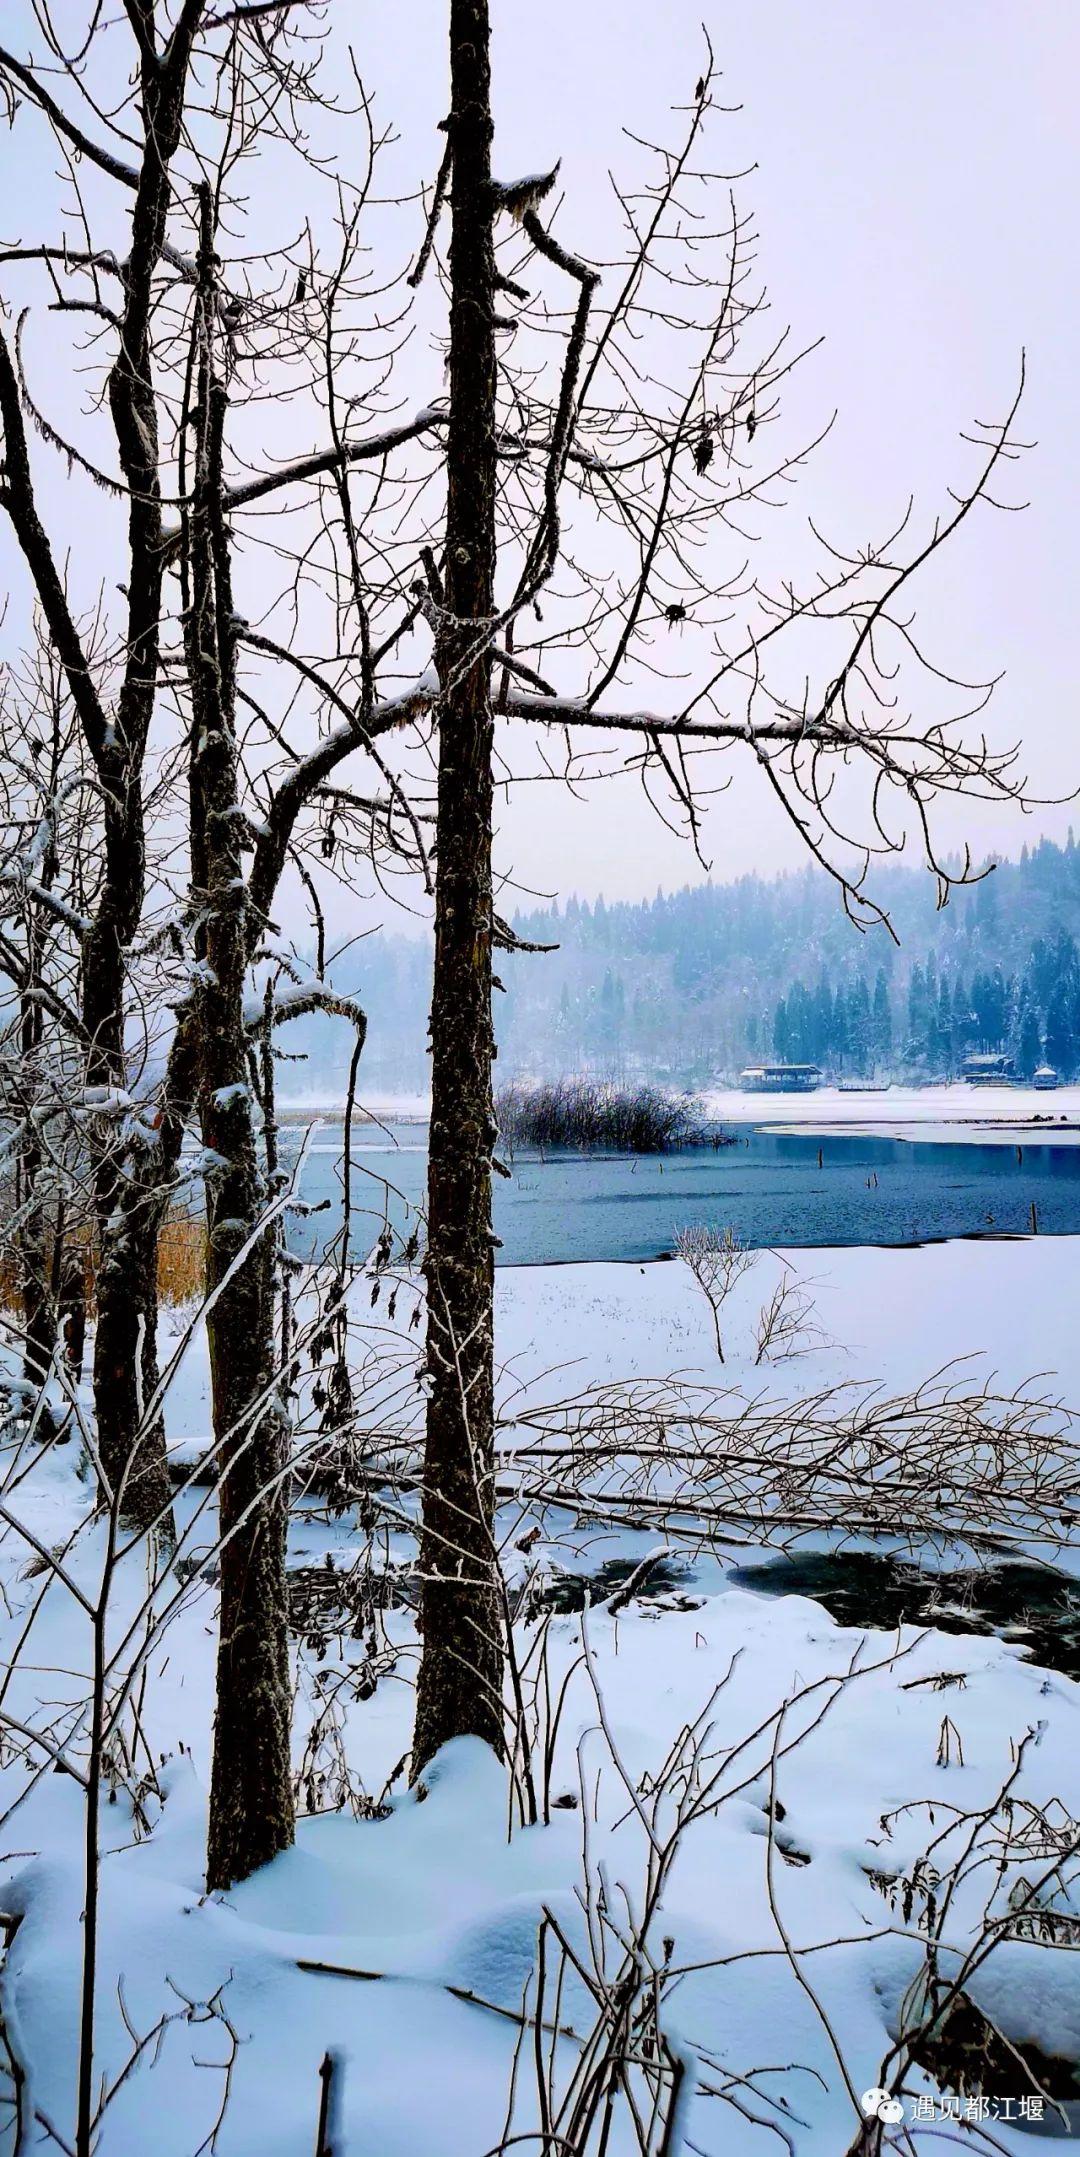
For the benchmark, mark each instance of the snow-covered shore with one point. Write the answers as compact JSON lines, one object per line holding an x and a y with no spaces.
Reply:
{"x":951,"y":1112}
{"x":839,"y":1757}
{"x":891,"y":1316}
{"x":954,"y":1112}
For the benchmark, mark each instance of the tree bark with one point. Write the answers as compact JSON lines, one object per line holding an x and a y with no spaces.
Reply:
{"x":251,"y":1793}
{"x":40,"y":1325}
{"x":71,"y":1308}
{"x":460,"y":1682}
{"x":40,"y":1322}
{"x":133,"y":1452}
{"x":131,"y":1442}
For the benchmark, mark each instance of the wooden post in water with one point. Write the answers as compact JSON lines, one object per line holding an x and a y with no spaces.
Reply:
{"x":1034,"y":1218}
{"x":325,"y":2138}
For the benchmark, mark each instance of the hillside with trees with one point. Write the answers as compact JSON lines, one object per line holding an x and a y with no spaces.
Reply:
{"x":693,"y":984}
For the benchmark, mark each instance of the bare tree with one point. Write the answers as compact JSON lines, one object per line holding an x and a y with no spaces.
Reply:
{"x":116,"y":733}
{"x":717,"y":1259}
{"x":47,"y":881}
{"x":561,"y":464}
{"x":460,"y":1683}
{"x":478,"y":587}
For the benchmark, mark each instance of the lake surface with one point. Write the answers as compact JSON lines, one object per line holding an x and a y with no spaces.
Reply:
{"x":797,"y":1189}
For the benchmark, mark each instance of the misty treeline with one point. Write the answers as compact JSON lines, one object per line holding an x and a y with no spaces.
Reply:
{"x":331,"y":503}
{"x":695,"y":984}
{"x":692,"y":985}
{"x":947,"y":1016}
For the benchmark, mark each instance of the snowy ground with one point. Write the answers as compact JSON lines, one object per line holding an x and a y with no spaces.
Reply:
{"x":926,"y":1112}
{"x":791,"y":1942}
{"x":890,"y":1315}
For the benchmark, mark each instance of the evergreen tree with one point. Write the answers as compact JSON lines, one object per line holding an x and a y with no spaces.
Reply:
{"x":1028,"y":1052}
{"x":699,"y":957}
{"x":840,"y":1038}
{"x":860,"y":1027}
{"x":943,"y":1028}
{"x":882,"y":1022}
{"x":962,"y":1022}
{"x":918,"y":1015}
{"x":1060,"y":1035}
{"x":821,"y":1045}
{"x":986,"y":907}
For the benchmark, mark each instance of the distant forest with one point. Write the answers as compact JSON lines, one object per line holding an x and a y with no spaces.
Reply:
{"x":692,"y":985}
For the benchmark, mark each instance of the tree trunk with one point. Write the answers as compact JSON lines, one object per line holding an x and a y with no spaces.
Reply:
{"x":132,"y":1445}
{"x":38,"y":1299}
{"x":133,"y":1451}
{"x":38,"y":1303}
{"x":460,"y":1682}
{"x":251,"y":1793}
{"x":71,"y":1306}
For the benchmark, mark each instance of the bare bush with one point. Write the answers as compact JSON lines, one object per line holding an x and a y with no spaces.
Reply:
{"x":585,"y":1116}
{"x":618,"y":2070}
{"x":784,"y":1327}
{"x":1007,"y":1871}
{"x":717,"y":1258}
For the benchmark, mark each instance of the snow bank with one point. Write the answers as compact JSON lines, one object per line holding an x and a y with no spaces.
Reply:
{"x":437,"y":1901}
{"x":924,"y":1112}
{"x":435,"y":1908}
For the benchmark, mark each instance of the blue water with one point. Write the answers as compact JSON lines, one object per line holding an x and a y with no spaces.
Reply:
{"x":769,"y":1187}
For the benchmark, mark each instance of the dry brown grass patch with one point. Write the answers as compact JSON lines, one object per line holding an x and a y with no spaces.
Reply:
{"x":181,"y":1266}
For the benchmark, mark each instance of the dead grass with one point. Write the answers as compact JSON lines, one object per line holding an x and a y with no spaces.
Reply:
{"x":181,"y":1269}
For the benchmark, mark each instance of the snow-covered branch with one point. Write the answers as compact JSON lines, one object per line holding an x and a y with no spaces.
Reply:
{"x":306,"y":776}
{"x":330,"y":460}
{"x":40,"y":894}
{"x":296,"y":1002}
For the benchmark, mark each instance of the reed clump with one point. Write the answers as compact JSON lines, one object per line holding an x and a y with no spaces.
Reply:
{"x":584,"y":1115}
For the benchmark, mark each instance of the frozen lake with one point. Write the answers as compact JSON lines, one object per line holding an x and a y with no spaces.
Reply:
{"x":801,"y":1189}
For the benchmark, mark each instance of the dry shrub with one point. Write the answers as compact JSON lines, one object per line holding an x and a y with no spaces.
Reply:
{"x":586,"y":1115}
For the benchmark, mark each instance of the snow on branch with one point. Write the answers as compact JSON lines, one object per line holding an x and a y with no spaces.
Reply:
{"x":330,"y":460}
{"x":18,"y":880}
{"x":518,"y":197}
{"x":296,"y":1002}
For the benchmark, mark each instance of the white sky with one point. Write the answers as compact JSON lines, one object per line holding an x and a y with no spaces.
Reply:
{"x":918,"y":174}
{"x":916,"y":195}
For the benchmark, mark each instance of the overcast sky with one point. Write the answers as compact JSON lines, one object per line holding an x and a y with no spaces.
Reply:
{"x":915,"y":191}
{"x":917,"y":182}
